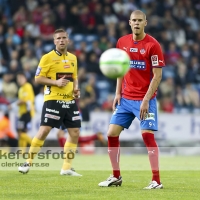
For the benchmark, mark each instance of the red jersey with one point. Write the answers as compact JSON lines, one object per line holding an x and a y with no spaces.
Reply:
{"x":144,"y":55}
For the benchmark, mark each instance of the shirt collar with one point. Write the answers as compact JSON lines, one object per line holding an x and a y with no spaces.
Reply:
{"x":58,"y":53}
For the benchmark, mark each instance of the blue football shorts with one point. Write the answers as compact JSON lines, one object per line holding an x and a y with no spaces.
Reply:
{"x":126,"y":112}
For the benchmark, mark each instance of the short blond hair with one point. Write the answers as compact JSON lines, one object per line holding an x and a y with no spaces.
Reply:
{"x":60,"y":30}
{"x":138,"y":12}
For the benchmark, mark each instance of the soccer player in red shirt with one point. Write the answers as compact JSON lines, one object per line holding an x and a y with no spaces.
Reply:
{"x":136,"y":97}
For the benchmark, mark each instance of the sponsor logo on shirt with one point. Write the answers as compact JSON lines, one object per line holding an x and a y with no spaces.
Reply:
{"x":66,"y":66}
{"x":154,"y":60}
{"x":142,"y":51}
{"x":137,"y":64}
{"x":52,"y":110}
{"x":68,"y":76}
{"x":76,"y":118}
{"x":64,"y":61}
{"x":52,"y":116}
{"x":65,"y":106}
{"x":38,"y":71}
{"x":133,"y":49}
{"x":65,"y":102}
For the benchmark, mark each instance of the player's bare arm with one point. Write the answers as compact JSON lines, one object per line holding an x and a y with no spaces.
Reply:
{"x":46,"y":81}
{"x":76,"y":92}
{"x":118,"y":93}
{"x":144,"y":108}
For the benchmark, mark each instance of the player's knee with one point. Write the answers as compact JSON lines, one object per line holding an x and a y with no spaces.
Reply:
{"x":74,"y":132}
{"x":112,"y":133}
{"x":43,"y":132}
{"x":114,"y":130}
{"x":60,"y":133}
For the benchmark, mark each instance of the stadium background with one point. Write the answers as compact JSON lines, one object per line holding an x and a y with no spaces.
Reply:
{"x":26,"y":29}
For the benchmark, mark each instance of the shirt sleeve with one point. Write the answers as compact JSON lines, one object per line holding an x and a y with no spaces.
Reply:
{"x":43,"y":67}
{"x":75,"y":74}
{"x":156,"y":56}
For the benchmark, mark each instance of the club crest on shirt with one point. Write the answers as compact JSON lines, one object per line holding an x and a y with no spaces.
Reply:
{"x":142,"y":51}
{"x":154,"y":60}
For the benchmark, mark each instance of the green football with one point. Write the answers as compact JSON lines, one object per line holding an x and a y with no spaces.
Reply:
{"x":114,"y":63}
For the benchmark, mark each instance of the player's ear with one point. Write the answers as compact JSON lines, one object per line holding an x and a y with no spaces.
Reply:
{"x":129,"y":22}
{"x":145,"y":23}
{"x":69,"y":41}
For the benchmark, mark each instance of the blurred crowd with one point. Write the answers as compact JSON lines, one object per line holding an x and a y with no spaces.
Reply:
{"x":26,"y":33}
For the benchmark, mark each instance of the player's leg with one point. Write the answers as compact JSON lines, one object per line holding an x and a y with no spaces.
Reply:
{"x":148,"y":126}
{"x":72,"y":122}
{"x":120,"y":119}
{"x":61,"y":136}
{"x":47,"y":119}
{"x":70,"y":151}
{"x":96,"y":136}
{"x":82,"y":139}
{"x":114,"y":155}
{"x":13,"y":144}
{"x":153,"y":153}
{"x":22,"y":127}
{"x":35,"y":147}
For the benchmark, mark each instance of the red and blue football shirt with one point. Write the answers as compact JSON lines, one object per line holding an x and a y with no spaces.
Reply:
{"x":144,"y":56}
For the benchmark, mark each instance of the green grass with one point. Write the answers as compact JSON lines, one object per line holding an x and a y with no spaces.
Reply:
{"x":180,"y":177}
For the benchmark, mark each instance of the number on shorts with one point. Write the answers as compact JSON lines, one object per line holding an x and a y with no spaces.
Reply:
{"x":47,"y":90}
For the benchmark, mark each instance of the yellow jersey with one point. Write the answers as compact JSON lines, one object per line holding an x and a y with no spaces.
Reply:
{"x":55,"y":65}
{"x":26,"y":94}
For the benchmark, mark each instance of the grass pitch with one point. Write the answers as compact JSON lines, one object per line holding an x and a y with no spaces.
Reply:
{"x":180,"y":176}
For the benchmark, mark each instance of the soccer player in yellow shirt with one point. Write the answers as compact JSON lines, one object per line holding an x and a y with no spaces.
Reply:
{"x":26,"y":110}
{"x":57,"y":70}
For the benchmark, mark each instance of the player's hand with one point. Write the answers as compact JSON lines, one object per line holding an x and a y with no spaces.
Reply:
{"x":76,"y":93}
{"x":116,"y":101}
{"x":62,"y":81}
{"x":144,"y":109}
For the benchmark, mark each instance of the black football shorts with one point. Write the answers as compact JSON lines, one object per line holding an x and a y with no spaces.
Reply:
{"x":58,"y":112}
{"x":23,"y":123}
